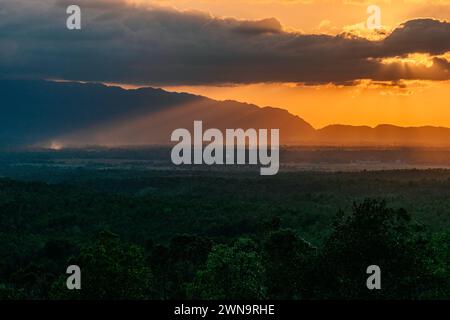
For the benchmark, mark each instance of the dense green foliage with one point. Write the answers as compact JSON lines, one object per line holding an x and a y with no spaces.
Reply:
{"x":212,"y":235}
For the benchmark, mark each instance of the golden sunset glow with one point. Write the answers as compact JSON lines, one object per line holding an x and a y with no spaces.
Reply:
{"x":316,"y":16}
{"x":416,"y":59}
{"x":418,"y":104}
{"x":419,"y":95}
{"x":367,"y":102}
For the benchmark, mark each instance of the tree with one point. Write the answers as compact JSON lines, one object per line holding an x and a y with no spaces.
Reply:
{"x":109,"y":270}
{"x":287,"y":259}
{"x":231,"y":273}
{"x":373,"y":235}
{"x":175,"y":267}
{"x":10,"y":293}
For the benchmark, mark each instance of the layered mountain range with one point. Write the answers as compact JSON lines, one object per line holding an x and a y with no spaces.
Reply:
{"x":41,"y":113}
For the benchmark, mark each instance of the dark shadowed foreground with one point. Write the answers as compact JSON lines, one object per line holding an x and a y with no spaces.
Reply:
{"x":169,"y":233}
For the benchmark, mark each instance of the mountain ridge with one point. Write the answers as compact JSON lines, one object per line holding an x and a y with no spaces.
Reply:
{"x":38,"y":112}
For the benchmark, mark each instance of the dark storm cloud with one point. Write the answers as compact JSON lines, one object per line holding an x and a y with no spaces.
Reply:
{"x":120,"y":43}
{"x":421,"y":35}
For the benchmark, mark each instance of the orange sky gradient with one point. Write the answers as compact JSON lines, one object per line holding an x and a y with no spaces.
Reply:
{"x":420,"y":103}
{"x":410,"y":103}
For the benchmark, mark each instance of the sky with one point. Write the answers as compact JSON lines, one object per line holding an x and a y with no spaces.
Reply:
{"x":315,"y":58}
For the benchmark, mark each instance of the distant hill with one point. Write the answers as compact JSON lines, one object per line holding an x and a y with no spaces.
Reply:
{"x":77,"y":114}
{"x":35,"y":112}
{"x":383,"y":135}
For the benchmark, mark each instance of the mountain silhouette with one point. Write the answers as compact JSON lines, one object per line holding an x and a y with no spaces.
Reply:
{"x":37,"y":113}
{"x":383,"y":135}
